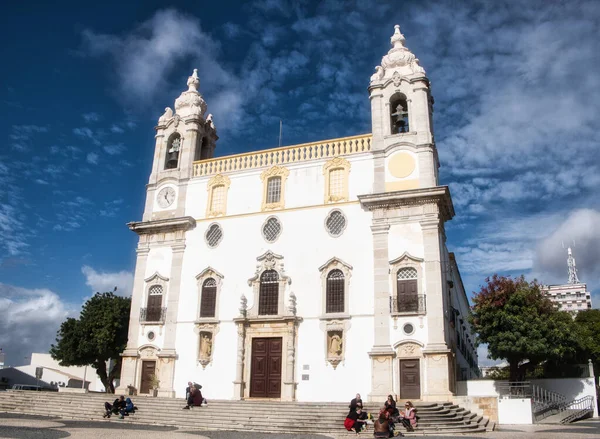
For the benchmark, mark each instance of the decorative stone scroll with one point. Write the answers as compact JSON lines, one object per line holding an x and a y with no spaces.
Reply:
{"x":269,"y":261}
{"x":399,"y":60}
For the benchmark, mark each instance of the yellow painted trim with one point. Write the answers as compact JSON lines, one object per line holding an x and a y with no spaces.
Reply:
{"x":328,"y":167}
{"x":403,"y":185}
{"x":401,"y":165}
{"x":290,"y":209}
{"x":275,"y":171}
{"x":217,"y":180}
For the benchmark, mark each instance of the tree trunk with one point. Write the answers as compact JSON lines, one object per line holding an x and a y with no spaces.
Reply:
{"x":115,"y":372}
{"x":514,"y":370}
{"x":100,"y":367}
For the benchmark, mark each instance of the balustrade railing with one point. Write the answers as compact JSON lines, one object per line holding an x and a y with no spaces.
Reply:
{"x":408,"y":304}
{"x":281,"y":156}
{"x":153,"y":315}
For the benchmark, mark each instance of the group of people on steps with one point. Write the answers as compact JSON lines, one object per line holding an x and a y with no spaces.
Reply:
{"x":121,"y":406}
{"x":384,"y":426}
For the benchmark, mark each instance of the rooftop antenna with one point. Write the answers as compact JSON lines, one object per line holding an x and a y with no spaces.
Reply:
{"x":572,"y":268}
{"x":280,"y":130}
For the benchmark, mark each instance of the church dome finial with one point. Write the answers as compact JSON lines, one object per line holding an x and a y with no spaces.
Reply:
{"x":190,"y":102}
{"x":397,"y":39}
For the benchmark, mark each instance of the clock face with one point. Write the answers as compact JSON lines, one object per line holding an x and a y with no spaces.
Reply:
{"x":166,"y":196}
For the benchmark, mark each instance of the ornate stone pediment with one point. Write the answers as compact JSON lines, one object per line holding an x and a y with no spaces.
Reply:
{"x":406,"y":256}
{"x":157,"y":277}
{"x":269,"y":261}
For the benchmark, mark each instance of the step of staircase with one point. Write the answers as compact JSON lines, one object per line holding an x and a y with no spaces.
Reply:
{"x":263,"y":416}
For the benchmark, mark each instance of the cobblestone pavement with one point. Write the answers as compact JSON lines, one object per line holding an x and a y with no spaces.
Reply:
{"x":37,"y":427}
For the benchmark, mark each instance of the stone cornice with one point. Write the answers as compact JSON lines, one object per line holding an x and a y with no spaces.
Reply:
{"x":184,"y":223}
{"x":439,"y":195}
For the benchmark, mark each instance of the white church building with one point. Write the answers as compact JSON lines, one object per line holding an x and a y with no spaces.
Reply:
{"x":301,"y":273}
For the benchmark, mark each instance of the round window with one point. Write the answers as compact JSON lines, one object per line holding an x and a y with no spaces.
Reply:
{"x":271,"y":229}
{"x":408,"y":328}
{"x":335,"y":223}
{"x":213,"y":236}
{"x":151,"y":335}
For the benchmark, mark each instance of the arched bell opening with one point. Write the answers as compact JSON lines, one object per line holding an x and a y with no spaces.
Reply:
{"x":399,"y":114}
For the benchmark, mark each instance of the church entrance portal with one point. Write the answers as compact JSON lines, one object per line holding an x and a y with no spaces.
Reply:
{"x":148,"y":369}
{"x":410,"y":379}
{"x":265,"y":373}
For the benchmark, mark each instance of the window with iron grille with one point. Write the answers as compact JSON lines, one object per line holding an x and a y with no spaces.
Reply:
{"x":272,"y":229}
{"x":268,"y":296}
{"x":155,"y":295}
{"x":334,"y":302}
{"x":208,"y":299}
{"x":213,"y":236}
{"x":273,"y":190}
{"x":336,"y":184}
{"x":217,"y":202}
{"x":335,"y":223}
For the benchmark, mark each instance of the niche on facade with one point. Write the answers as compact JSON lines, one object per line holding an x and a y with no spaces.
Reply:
{"x":399,"y":114}
{"x":173,"y":148}
{"x":335,"y":341}
{"x":206,"y":343}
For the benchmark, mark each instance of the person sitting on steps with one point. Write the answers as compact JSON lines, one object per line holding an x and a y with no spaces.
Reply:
{"x":356,"y":402}
{"x":409,"y":416}
{"x":117,"y":407}
{"x":381,"y":426}
{"x":195,"y":399}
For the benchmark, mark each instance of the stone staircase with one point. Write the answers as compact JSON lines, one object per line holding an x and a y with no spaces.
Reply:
{"x":264,"y":416}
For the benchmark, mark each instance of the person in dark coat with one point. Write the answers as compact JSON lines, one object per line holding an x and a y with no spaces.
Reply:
{"x":355,"y":403}
{"x":117,"y":407}
{"x":381,"y":426}
{"x":195,"y":399}
{"x":188,"y":390}
{"x":353,"y":421}
{"x":390,"y":406}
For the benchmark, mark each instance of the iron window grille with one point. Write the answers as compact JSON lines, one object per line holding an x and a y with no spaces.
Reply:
{"x":334,"y":302}
{"x":268,"y":301}
{"x":272,"y":229}
{"x":214,"y":235}
{"x":335,"y":223}
{"x":408,"y":304}
{"x":208,"y":299}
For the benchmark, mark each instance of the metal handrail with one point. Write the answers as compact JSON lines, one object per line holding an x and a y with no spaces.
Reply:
{"x":408,"y":304}
{"x":153,"y":315}
{"x":584,"y":407}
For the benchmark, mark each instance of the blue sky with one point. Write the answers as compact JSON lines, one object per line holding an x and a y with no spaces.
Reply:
{"x":516,"y":117}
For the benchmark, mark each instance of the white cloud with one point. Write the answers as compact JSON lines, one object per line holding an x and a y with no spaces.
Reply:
{"x":100,"y":281}
{"x":117,"y":129}
{"x":30,"y":320}
{"x":91,"y":117}
{"x":115,"y":149}
{"x":92,"y":158}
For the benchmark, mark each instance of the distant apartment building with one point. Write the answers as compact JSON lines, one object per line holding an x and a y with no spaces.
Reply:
{"x":572,"y":296}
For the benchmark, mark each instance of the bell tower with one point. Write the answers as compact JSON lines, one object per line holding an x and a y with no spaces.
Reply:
{"x":181,"y":138}
{"x":401,"y":111}
{"x":407,"y":201}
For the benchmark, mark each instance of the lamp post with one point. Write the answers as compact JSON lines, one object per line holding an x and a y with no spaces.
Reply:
{"x":84,"y":375}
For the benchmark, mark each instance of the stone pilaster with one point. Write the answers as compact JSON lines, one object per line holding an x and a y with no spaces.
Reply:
{"x":169,"y":348}
{"x":130,"y":355}
{"x":381,"y":354}
{"x":436,"y":352}
{"x":238,"y":384}
{"x":289,"y":384}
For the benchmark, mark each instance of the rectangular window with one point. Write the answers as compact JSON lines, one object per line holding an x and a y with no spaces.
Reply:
{"x":218,"y":199}
{"x":274,"y":190}
{"x":336,"y":184}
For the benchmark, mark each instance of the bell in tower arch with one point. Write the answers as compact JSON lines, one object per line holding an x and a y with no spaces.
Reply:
{"x":173,"y":147}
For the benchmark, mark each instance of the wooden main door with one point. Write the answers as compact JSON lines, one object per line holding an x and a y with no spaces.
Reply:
{"x":410,"y":379}
{"x":148,"y":369}
{"x":265,"y":369}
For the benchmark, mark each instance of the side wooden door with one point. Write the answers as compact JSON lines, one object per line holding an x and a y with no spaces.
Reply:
{"x":410,"y":379}
{"x":148,"y":369}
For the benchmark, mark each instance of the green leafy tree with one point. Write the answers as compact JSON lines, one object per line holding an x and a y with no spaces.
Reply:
{"x":587,"y":324}
{"x":97,"y":336}
{"x":518,"y":323}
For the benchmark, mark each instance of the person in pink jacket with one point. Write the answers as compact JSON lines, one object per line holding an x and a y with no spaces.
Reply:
{"x":409,"y":416}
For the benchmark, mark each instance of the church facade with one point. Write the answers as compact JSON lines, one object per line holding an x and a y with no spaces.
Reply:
{"x":301,"y":273}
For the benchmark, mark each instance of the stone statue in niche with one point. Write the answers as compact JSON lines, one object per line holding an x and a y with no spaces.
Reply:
{"x":335,"y":344}
{"x":205,"y":345}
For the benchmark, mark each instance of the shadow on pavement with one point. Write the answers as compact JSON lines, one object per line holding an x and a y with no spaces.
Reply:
{"x":32,"y":433}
